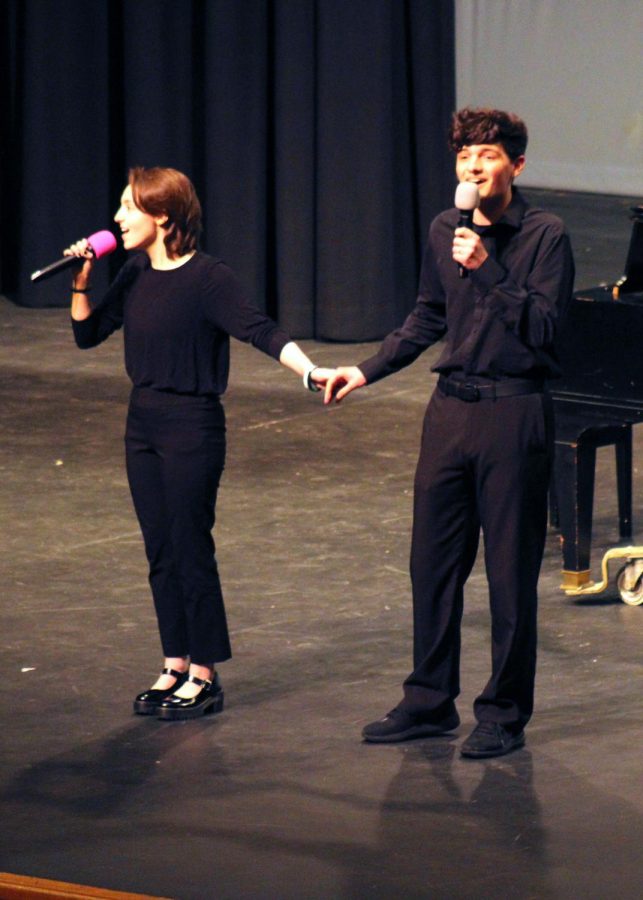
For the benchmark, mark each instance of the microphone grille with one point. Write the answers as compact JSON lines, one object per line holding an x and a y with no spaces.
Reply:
{"x":102,"y":243}
{"x":467,"y":196}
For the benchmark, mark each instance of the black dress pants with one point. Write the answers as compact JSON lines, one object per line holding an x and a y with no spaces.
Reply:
{"x":483,"y":465}
{"x":175,"y":453}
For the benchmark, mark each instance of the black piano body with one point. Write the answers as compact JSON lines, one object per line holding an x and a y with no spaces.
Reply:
{"x":596,"y":403}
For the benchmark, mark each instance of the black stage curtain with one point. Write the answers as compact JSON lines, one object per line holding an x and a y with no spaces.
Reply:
{"x":314,"y":131}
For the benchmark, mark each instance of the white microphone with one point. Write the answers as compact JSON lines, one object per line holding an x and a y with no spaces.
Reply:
{"x":467,"y":199}
{"x":100,"y":244}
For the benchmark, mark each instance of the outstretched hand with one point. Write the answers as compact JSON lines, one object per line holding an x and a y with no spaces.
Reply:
{"x":319,"y":376}
{"x":343,"y":380}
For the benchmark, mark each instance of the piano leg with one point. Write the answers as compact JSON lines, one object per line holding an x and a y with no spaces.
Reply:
{"x":573,"y":489}
{"x":574,"y":485}
{"x":624,"y":483}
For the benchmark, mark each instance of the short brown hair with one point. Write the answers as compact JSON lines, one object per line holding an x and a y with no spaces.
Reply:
{"x":162,"y":191}
{"x":488,"y":126}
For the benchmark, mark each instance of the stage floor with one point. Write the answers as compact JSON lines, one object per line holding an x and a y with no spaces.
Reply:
{"x":278,"y":797}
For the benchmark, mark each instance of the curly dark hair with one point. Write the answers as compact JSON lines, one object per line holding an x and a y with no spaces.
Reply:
{"x":488,"y":126}
{"x":163,"y":191}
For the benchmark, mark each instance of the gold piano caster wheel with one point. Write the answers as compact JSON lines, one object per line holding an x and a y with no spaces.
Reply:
{"x":629,"y":582}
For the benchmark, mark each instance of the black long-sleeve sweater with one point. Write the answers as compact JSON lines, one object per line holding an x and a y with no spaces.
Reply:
{"x":177,"y":324}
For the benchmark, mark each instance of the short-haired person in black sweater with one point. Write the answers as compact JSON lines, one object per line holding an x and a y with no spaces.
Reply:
{"x":496,"y":293}
{"x":178,"y":308}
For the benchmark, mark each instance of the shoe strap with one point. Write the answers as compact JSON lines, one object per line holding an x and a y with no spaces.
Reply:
{"x":202,"y":682}
{"x":173,"y":672}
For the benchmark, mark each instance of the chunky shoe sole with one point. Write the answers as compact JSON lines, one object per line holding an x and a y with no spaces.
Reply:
{"x":422,"y":729}
{"x":210,"y":705}
{"x":146,"y":708}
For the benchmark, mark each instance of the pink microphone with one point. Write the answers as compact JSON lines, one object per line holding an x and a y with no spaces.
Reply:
{"x":101,"y":244}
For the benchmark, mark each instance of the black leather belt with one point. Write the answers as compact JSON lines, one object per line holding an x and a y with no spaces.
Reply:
{"x":471,"y":393}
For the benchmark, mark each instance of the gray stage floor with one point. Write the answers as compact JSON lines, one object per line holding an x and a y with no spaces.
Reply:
{"x":277,"y":797}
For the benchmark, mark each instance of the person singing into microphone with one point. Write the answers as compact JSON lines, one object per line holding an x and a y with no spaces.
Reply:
{"x":486,"y":446}
{"x":178,"y":308}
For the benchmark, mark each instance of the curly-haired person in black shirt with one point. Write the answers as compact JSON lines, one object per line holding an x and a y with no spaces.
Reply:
{"x":496,"y":293}
{"x":178,"y":308}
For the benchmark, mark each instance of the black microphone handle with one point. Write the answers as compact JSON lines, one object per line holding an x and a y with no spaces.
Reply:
{"x":67,"y":262}
{"x":465,"y":220}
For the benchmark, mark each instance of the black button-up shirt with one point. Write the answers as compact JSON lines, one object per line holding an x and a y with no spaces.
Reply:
{"x":499,"y":322}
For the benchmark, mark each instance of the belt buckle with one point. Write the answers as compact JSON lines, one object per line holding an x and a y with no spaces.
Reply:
{"x":468,"y":392}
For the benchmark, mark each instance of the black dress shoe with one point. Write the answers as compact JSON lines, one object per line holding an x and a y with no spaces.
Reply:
{"x":208,"y":700}
{"x":147,"y":703}
{"x":491,"y":739}
{"x":400,"y":725}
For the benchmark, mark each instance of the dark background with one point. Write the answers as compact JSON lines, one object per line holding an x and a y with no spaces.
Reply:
{"x":314,"y":131}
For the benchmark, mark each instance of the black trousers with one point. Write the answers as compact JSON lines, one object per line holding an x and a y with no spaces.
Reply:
{"x":175,"y":454}
{"x":483,"y":465}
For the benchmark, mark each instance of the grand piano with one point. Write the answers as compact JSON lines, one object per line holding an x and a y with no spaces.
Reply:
{"x":596,"y":403}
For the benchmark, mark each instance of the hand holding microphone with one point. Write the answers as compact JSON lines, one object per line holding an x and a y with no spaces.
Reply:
{"x":467,"y":200}
{"x":96,"y":245}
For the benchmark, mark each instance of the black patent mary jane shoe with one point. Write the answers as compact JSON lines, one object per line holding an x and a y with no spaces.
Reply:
{"x":147,"y":703}
{"x":208,"y":700}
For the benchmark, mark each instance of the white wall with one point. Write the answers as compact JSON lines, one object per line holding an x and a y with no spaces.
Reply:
{"x":573,"y":70}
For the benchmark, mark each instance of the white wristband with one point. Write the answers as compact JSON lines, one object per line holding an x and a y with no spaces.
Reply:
{"x":308,"y":384}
